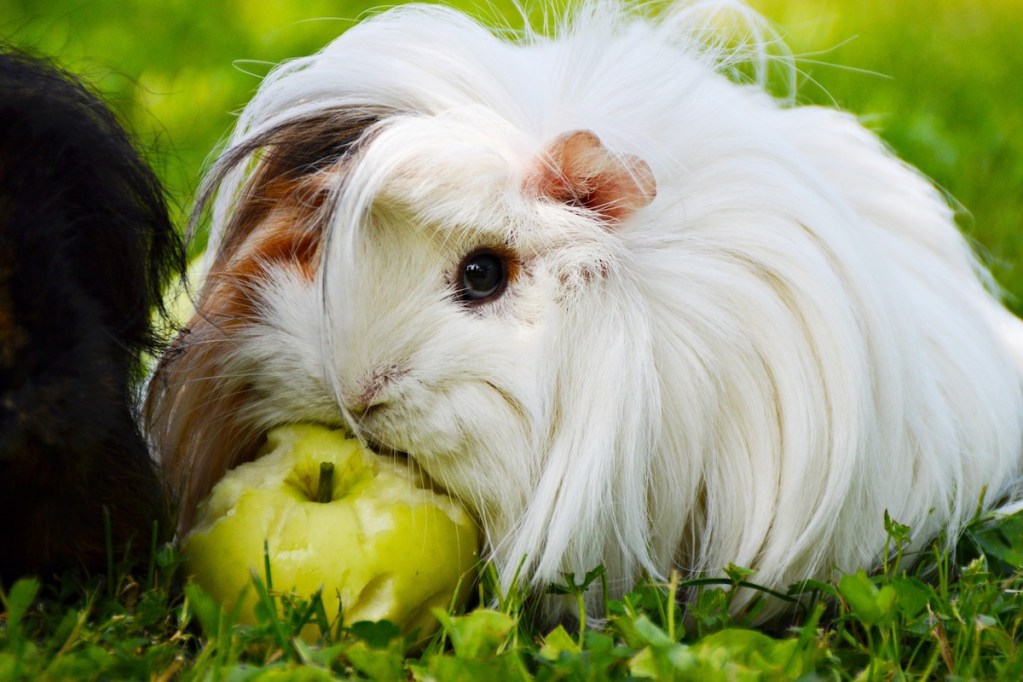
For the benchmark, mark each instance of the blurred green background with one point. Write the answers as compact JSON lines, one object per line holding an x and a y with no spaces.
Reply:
{"x":940,"y":80}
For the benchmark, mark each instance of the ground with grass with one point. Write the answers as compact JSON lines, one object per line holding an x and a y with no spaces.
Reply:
{"x":938,"y":80}
{"x":944,"y":618}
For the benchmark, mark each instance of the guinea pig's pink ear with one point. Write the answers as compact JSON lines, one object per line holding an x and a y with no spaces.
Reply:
{"x":577,"y":169}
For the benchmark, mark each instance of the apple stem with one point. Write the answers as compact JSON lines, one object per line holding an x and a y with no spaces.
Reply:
{"x":325,"y":487}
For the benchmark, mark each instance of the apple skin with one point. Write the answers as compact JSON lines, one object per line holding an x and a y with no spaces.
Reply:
{"x":388,"y":545}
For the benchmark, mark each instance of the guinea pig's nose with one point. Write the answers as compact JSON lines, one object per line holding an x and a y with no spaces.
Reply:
{"x":374,"y":391}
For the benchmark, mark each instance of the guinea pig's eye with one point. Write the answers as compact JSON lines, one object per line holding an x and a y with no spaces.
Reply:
{"x":482,"y":276}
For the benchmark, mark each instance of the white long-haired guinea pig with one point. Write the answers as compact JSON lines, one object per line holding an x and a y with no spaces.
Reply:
{"x":628,"y":310}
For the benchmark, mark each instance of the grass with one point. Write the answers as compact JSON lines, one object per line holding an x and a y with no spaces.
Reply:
{"x":953,"y":618}
{"x":937,"y":79}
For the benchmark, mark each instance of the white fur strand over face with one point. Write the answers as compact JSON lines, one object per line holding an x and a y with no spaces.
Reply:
{"x":775,"y":336}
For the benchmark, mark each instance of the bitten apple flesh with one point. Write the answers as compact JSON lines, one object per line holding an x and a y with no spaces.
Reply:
{"x":386,"y":545}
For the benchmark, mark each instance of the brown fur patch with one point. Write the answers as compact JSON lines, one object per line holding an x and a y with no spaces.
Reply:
{"x":199,"y":411}
{"x":204,"y":406}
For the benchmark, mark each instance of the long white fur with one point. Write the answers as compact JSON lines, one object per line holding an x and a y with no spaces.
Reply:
{"x":789,"y":340}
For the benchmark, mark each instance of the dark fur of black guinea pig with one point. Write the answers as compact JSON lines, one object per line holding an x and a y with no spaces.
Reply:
{"x":86,"y":248}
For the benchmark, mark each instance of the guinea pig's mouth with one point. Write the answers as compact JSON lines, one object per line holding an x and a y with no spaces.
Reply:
{"x":385,"y":450}
{"x":379,"y":447}
{"x":403,"y":458}
{"x":372,"y":428}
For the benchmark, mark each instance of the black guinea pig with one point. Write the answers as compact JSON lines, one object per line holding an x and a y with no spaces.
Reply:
{"x":86,"y":249}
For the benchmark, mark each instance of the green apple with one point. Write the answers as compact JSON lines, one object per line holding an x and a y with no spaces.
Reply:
{"x":383,"y":542}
